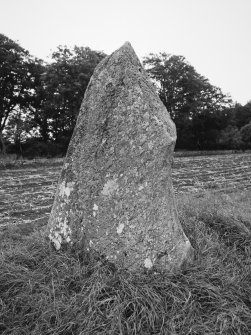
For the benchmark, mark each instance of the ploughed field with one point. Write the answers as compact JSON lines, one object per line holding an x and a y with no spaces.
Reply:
{"x":27,"y":191}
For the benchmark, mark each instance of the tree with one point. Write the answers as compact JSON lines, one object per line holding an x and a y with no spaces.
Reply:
{"x":41,"y":115}
{"x":230,"y":138}
{"x":62,"y":88}
{"x":241,"y":114}
{"x":246,"y":135}
{"x":189,"y":97}
{"x":15,"y":81}
{"x":19,"y":127}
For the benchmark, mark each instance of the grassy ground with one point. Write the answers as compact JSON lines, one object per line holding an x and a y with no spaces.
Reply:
{"x":12,"y":162}
{"x":47,"y":292}
{"x":27,"y":190}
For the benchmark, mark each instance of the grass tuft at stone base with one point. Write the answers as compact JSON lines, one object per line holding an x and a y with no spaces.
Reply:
{"x":47,"y":292}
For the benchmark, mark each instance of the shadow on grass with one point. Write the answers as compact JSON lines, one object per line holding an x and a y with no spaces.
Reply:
{"x":47,"y":292}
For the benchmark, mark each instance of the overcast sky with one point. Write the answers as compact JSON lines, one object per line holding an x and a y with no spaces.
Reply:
{"x":213,"y":35}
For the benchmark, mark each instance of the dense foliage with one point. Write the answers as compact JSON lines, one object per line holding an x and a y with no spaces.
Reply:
{"x":205,"y":117}
{"x":62,"y":87}
{"x":16,"y":85}
{"x":39,"y":102}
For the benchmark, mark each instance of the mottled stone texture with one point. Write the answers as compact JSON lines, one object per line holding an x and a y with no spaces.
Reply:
{"x":115,"y":192}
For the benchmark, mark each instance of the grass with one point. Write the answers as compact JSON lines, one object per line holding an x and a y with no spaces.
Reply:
{"x":193,"y":153}
{"x":47,"y":292}
{"x":12,"y":162}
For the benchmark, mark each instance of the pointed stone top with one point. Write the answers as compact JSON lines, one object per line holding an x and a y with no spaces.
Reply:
{"x":127,"y":45}
{"x":125,"y":55}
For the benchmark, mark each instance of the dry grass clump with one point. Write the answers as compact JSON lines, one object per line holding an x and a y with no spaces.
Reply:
{"x":47,"y":292}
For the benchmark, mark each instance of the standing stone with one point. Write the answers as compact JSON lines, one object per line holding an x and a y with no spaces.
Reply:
{"x":115,"y":192}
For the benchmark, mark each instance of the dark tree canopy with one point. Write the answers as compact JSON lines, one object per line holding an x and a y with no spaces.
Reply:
{"x":41,"y":99}
{"x":241,"y":115}
{"x":195,"y":105}
{"x":16,"y":80}
{"x":39,"y":102}
{"x":62,"y":88}
{"x":246,"y":135}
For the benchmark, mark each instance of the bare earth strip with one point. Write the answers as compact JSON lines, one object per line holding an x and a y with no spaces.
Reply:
{"x":26,"y":193}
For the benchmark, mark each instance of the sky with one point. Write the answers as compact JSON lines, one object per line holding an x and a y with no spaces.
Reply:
{"x":213,"y":35}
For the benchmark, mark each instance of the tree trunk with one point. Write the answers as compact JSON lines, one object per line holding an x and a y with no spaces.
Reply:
{"x":2,"y":144}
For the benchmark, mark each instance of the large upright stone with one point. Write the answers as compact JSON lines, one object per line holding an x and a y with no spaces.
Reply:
{"x":115,"y":191}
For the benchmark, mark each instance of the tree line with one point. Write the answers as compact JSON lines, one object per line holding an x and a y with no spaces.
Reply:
{"x":39,"y":101}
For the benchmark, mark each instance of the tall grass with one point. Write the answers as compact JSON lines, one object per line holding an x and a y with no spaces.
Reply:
{"x":47,"y":292}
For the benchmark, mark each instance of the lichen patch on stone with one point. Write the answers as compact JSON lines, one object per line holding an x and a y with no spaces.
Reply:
{"x":94,"y":210}
{"x":110,"y":187}
{"x":65,"y":189}
{"x":61,"y":234}
{"x":95,"y":207}
{"x":120,"y":228}
{"x":67,"y":240}
{"x":56,"y":239}
{"x":148,"y":263}
{"x":56,"y":243}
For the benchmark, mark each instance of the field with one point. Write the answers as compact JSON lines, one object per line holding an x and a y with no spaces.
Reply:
{"x":45,"y":292}
{"x":27,"y":190}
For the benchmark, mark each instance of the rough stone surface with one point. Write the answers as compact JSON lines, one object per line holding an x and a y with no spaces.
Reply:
{"x":115,"y":191}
